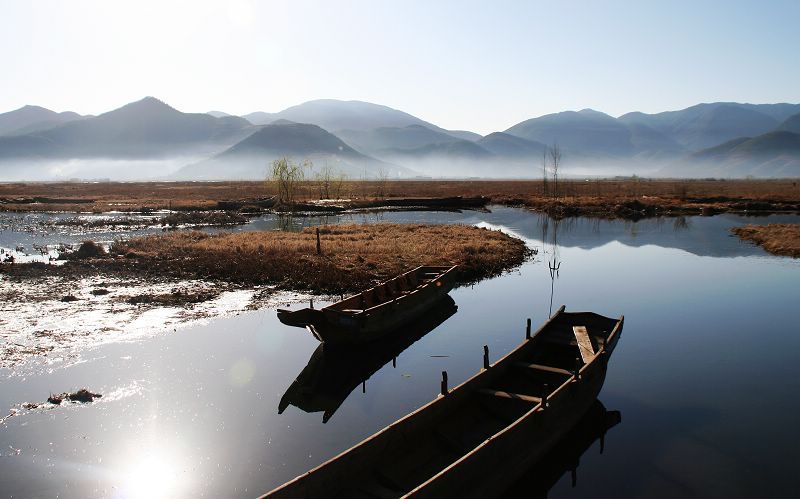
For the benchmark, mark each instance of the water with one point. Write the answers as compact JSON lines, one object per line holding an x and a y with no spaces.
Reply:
{"x":704,"y":375}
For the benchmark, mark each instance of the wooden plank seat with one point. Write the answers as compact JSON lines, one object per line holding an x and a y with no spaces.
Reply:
{"x":509,"y":395}
{"x":539,"y":367}
{"x":584,"y":343}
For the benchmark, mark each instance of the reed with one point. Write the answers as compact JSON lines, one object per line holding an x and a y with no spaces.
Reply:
{"x":778,"y":239}
{"x":353,"y":256}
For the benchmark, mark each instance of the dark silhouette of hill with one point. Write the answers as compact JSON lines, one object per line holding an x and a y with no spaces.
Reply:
{"x":147,"y":128}
{"x":251,"y":157}
{"x":773,"y":154}
{"x":32,"y":118}
{"x":792,"y":124}
{"x":510,"y":146}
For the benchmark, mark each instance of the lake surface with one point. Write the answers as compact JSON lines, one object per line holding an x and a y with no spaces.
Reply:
{"x":705,"y":375}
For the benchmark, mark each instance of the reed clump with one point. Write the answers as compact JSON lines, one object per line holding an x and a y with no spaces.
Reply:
{"x":778,"y":239}
{"x":352,"y":257}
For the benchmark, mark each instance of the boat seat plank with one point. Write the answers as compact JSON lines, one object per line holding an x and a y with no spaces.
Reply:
{"x":509,"y":395}
{"x":584,"y":343}
{"x":539,"y":367}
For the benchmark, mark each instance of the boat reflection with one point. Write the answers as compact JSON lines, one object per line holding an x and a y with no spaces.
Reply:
{"x":565,"y":457}
{"x":332,"y":373}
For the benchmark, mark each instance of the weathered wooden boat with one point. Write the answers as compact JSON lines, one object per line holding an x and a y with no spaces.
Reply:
{"x":333,"y":372}
{"x":475,"y":440}
{"x":373,"y":313}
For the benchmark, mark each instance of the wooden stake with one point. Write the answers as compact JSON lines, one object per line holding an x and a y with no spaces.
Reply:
{"x":528,"y":330}
{"x":319,"y":247}
{"x":486,"y":356}
{"x":444,"y":382}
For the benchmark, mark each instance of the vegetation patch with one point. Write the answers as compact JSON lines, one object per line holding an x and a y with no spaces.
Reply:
{"x":351,"y":257}
{"x":778,"y":239}
{"x":82,"y":395}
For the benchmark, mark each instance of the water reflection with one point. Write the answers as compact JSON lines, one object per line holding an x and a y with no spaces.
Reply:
{"x":565,"y":456}
{"x":332,"y":373}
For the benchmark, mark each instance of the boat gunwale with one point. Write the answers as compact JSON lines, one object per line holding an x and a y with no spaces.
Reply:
{"x":332,"y":308}
{"x":557,"y":393}
{"x":461,"y":389}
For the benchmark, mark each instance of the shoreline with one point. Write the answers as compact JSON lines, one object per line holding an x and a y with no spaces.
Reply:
{"x":777,"y":239}
{"x":630,"y":199}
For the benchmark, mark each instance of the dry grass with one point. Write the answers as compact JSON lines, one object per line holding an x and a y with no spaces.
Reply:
{"x":598,"y":195}
{"x":353,"y":256}
{"x":778,"y":239}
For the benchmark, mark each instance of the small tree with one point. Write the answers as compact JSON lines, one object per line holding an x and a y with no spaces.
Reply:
{"x":287,"y":175}
{"x":325,"y":181}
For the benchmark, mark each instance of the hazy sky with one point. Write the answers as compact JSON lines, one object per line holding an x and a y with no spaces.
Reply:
{"x":480,"y":65}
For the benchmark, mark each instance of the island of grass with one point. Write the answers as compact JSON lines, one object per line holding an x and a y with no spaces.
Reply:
{"x":778,"y":239}
{"x":350,"y":258}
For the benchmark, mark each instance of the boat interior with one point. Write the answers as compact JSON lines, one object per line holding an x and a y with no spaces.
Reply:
{"x":482,"y":406}
{"x":401,"y":285}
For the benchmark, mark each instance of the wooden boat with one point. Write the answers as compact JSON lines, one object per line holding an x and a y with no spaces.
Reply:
{"x":475,"y":440}
{"x":373,"y":313}
{"x":332,"y":373}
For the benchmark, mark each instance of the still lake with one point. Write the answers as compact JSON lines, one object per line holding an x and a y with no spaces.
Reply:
{"x":705,"y":376}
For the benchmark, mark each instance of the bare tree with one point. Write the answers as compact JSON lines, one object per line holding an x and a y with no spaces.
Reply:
{"x":383,"y":180}
{"x":555,"y":162}
{"x":544,"y":172}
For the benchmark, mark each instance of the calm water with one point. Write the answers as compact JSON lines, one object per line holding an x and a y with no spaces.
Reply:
{"x":704,"y":377}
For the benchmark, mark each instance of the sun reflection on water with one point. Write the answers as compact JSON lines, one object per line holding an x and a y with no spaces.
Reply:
{"x":152,"y":474}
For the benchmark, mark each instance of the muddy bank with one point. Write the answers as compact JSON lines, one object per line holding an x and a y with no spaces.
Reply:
{"x":778,"y":239}
{"x":630,"y":198}
{"x":649,"y":207}
{"x":350,"y":257}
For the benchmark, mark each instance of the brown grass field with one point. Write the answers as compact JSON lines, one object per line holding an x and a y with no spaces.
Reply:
{"x":353,"y":257}
{"x":778,"y":239}
{"x":575,"y":197}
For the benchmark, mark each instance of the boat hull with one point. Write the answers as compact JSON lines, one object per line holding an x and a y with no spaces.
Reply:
{"x":476,"y":439}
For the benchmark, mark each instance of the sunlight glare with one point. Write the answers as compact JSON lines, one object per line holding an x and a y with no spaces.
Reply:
{"x":153,"y":475}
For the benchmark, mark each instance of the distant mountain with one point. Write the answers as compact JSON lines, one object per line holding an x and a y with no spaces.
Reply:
{"x":144,"y":129}
{"x":260,"y":118}
{"x":250,"y":158}
{"x":511,"y":146}
{"x":585,"y":133}
{"x":334,"y":115}
{"x":32,"y":118}
{"x":393,"y":138}
{"x":706,"y":125}
{"x":465,"y":135}
{"x":454,"y":150}
{"x":792,"y":124}
{"x":218,"y":114}
{"x":773,"y":154}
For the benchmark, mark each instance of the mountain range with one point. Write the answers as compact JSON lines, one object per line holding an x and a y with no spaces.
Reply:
{"x":357,"y":138}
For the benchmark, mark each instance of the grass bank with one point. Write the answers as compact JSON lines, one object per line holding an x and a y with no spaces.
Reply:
{"x":352,"y":257}
{"x":607,"y":198}
{"x":778,"y":239}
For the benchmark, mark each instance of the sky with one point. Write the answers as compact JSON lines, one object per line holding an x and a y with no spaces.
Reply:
{"x":475,"y":65}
